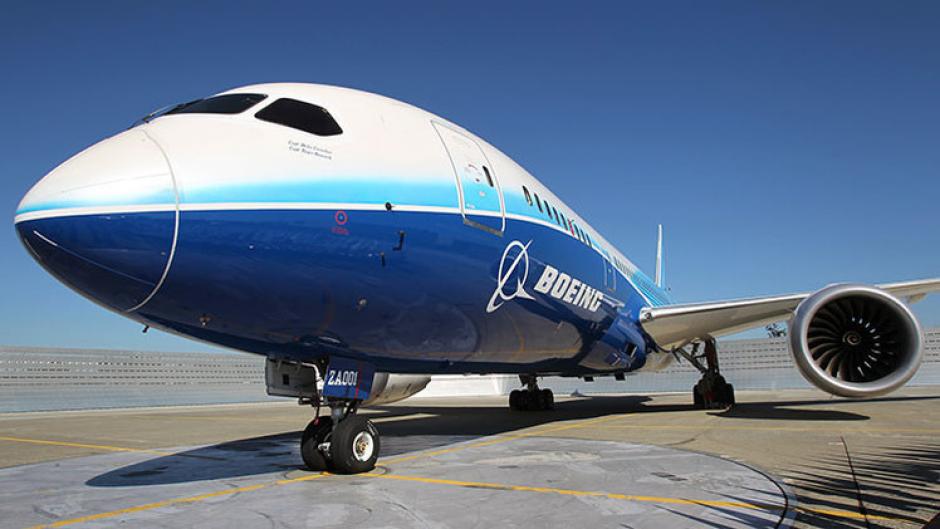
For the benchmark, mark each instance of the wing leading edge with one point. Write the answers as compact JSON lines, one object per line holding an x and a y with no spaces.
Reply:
{"x":674,"y":324}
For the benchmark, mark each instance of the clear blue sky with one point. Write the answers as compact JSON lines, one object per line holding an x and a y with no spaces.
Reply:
{"x":784,"y":145}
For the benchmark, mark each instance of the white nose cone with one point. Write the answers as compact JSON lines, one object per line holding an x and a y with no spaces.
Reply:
{"x":128,"y":170}
{"x":105,"y":221}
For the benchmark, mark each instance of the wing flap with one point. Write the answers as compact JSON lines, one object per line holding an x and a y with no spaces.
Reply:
{"x":674,"y":324}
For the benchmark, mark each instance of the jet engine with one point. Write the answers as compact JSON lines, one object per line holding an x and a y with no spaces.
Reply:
{"x":855,"y":341}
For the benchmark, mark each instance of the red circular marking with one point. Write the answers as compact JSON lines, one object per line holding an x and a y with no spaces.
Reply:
{"x":341,"y":217}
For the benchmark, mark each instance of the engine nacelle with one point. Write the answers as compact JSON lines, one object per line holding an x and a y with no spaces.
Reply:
{"x":855,"y":341}
{"x":293,"y":379}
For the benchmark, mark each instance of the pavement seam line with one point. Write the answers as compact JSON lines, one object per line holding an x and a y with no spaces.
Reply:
{"x":858,"y":489}
{"x":492,"y":486}
{"x":618,"y":496}
{"x":575,"y":492}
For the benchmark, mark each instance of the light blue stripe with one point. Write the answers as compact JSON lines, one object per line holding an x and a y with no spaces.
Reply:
{"x":375,"y":191}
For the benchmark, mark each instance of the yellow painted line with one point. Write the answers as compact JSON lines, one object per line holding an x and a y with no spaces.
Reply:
{"x":469,"y":484}
{"x":175,"y":501}
{"x":573,"y":492}
{"x":627,"y":497}
{"x":106,"y":448}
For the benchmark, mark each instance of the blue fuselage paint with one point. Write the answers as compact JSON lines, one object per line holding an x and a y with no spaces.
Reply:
{"x":406,"y":291}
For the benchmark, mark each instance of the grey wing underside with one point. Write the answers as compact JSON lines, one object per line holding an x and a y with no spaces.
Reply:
{"x":673,"y":325}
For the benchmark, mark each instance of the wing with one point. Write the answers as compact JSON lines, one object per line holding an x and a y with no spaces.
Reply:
{"x":673,"y":324}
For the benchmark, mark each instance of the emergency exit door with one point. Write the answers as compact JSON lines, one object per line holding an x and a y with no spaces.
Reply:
{"x":481,"y":202}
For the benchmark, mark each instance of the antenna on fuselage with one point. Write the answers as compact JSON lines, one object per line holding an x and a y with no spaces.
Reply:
{"x":659,"y":257}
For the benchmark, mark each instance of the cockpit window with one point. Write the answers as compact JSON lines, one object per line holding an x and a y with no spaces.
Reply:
{"x":300,"y":115}
{"x":224,"y":104}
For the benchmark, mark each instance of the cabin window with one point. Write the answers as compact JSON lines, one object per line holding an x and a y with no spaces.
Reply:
{"x":489,"y":177}
{"x":223,"y":104}
{"x":528,"y":197}
{"x":301,"y":116}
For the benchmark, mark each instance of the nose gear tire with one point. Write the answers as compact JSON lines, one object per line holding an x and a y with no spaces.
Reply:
{"x":316,"y":433}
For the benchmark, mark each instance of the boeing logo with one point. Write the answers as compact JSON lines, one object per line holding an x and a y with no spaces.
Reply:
{"x":552,"y":282}
{"x":560,"y":285}
{"x":506,"y":272}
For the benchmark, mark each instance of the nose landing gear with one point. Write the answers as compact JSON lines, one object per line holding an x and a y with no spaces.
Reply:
{"x":532,"y":398}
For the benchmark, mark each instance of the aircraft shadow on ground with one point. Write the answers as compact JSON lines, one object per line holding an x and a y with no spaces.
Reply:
{"x":774,"y":411}
{"x":897,"y":482}
{"x":803,"y":410}
{"x":403,"y":429}
{"x":412,"y":428}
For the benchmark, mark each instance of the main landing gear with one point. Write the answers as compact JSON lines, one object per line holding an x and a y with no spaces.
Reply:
{"x":711,"y":391}
{"x":342,"y":442}
{"x":531,"y":398}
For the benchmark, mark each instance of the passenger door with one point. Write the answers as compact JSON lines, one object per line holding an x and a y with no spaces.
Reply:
{"x":481,"y":201}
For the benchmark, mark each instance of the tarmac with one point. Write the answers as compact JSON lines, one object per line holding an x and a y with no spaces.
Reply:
{"x":777,"y":459}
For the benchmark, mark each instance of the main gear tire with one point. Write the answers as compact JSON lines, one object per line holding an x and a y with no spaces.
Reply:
{"x":354,"y":445}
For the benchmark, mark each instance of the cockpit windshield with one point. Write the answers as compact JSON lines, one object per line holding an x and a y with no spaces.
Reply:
{"x":223,"y":104}
{"x":300,"y":115}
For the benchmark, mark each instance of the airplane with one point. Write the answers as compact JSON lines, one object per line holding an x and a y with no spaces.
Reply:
{"x":362,"y":244}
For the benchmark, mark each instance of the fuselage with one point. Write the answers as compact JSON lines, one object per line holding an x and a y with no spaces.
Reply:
{"x":374,"y":230}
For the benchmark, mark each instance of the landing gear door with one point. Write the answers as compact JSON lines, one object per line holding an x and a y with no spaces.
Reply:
{"x":481,"y":200}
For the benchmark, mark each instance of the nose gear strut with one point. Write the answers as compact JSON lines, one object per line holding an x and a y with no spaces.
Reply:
{"x":342,"y":441}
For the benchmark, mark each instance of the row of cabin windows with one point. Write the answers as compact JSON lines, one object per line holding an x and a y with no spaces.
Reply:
{"x":620,"y":265}
{"x":570,"y":225}
{"x":284,"y":111}
{"x":559,"y":218}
